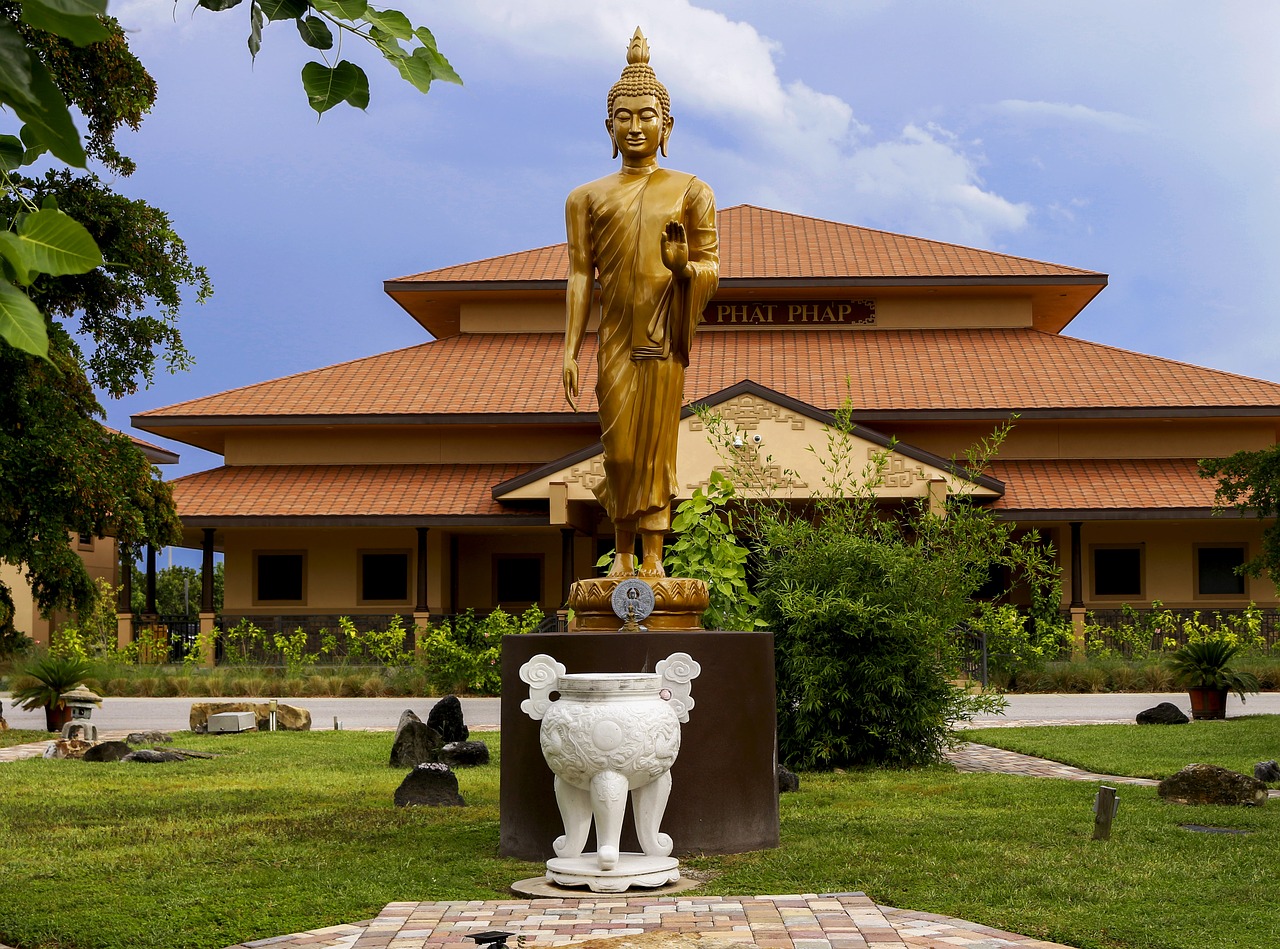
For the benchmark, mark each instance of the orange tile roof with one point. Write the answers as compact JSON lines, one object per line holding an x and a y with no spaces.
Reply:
{"x":350,"y":491}
{"x":759,"y":243}
{"x":975,"y":370}
{"x":1102,"y":485}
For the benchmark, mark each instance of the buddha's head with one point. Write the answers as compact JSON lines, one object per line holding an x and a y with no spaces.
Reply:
{"x":639,"y":121}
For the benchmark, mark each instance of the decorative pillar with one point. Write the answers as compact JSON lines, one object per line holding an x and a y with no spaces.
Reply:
{"x":453,"y":573}
{"x":938,"y":497}
{"x":567,"y":572}
{"x":208,"y":615}
{"x":1077,"y":592}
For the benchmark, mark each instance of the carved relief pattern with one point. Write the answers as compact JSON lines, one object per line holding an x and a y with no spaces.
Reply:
{"x":899,"y":472}
{"x":746,"y":412}
{"x":670,"y":594}
{"x":542,"y":674}
{"x":588,"y":475}
{"x":641,"y":739}
{"x":679,"y":670}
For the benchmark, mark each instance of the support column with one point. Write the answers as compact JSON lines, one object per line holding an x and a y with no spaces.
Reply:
{"x":124,"y":602}
{"x":150,"y":607}
{"x":1077,"y":592}
{"x":938,"y":497}
{"x":567,"y":572}
{"x":453,"y":573}
{"x":421,"y":611}
{"x":207,"y":612}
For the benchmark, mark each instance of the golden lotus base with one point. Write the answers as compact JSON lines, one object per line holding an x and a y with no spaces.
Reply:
{"x":678,"y":604}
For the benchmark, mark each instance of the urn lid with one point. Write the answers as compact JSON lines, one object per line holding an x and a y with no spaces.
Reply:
{"x":610,"y":682}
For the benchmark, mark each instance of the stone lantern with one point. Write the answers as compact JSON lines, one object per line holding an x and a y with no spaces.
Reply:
{"x":81,"y":701}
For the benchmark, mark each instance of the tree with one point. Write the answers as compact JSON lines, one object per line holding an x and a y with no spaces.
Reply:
{"x":177,"y":591}
{"x":61,"y":472}
{"x":1249,"y":481}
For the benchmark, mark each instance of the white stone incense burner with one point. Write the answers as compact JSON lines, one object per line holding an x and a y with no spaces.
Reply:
{"x":606,"y":735}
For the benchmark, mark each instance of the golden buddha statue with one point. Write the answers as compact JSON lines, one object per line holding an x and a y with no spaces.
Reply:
{"x":648,"y":234}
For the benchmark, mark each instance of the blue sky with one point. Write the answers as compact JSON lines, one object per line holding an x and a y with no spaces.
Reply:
{"x":1140,"y":139}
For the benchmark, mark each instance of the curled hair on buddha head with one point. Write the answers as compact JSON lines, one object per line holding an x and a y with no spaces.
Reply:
{"x":638,"y":78}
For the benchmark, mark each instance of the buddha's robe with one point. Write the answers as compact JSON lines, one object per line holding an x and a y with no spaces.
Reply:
{"x":647,"y":322}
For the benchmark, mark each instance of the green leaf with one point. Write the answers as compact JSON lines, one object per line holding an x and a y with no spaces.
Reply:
{"x":217,"y":6}
{"x":327,"y":87}
{"x":440,"y":68}
{"x":15,"y":67}
{"x":57,"y":244}
{"x":283,"y":9}
{"x":415,"y":70}
{"x":12,"y":152}
{"x":425,"y":37}
{"x":15,"y":256}
{"x":255,"y":30}
{"x":392,"y":21}
{"x":21,"y":324}
{"x":48,"y":122}
{"x":359,"y":96}
{"x":315,"y":33}
{"x":344,"y":9}
{"x":75,"y":20}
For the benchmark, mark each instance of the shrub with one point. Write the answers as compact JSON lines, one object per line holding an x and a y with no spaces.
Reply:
{"x":465,"y":654}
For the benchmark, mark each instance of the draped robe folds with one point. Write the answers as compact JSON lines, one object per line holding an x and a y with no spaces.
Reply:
{"x":647,"y":322}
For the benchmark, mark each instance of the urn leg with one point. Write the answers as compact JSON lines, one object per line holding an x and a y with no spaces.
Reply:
{"x":648,"y":804}
{"x":609,"y":801}
{"x":575,"y":812}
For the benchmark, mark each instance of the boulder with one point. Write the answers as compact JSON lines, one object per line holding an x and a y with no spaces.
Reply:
{"x":153,"y":756}
{"x":1211,"y":784}
{"x":151,"y":737}
{"x":1166,"y":713}
{"x":107,"y":751}
{"x":429,"y":785}
{"x":787,"y":780}
{"x":446,"y":718}
{"x":1267,"y":771}
{"x":415,"y":743}
{"x":289,"y":718}
{"x":464,"y":754}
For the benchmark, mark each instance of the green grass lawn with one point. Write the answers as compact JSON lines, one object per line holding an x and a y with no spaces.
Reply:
{"x":292,"y":831}
{"x":22,"y":736}
{"x":1145,"y":751}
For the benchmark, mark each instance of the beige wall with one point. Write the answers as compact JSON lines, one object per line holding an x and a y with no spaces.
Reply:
{"x":409,"y":445}
{"x":892,"y":312}
{"x":1098,"y":438}
{"x":100,"y":559}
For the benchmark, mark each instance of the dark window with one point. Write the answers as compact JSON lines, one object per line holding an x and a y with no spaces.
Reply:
{"x":384,"y":576}
{"x":280,"y":577}
{"x":1117,"y":571}
{"x":1216,"y":569}
{"x":517,"y":579}
{"x":85,"y":540}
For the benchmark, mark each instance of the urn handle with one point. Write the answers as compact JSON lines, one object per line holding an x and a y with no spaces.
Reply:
{"x":542,"y":674}
{"x":677,"y":671}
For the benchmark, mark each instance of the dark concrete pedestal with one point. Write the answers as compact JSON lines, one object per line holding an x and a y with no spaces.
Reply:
{"x":724,"y":794}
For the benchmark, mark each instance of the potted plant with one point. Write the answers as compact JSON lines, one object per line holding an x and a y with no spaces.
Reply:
{"x":41,"y":684}
{"x":1204,"y":668}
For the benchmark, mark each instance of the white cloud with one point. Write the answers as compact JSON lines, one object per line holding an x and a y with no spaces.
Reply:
{"x":785,"y":142}
{"x":1065,"y":112}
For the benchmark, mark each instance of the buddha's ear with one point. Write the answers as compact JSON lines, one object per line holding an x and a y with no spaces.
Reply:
{"x":667,"y":123}
{"x":608,"y":124}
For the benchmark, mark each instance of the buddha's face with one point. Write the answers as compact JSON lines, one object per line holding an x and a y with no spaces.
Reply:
{"x":638,"y":127}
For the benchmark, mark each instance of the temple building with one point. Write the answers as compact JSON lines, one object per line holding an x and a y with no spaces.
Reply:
{"x":453,"y":474}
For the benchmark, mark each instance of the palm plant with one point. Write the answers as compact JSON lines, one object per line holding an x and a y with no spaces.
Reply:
{"x":1207,"y":665}
{"x":42,"y":682}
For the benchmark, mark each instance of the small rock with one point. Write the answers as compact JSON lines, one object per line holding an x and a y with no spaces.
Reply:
{"x":787,"y":780}
{"x":1166,"y":713}
{"x":1267,"y":771}
{"x":1211,"y":784}
{"x":415,"y":743}
{"x":153,"y":756}
{"x":446,"y":718}
{"x":464,"y":754}
{"x":107,"y":751}
{"x":429,"y":785}
{"x":67,"y":748}
{"x":148,"y":738}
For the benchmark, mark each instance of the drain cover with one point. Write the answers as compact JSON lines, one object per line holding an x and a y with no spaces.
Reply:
{"x":1202,"y":829}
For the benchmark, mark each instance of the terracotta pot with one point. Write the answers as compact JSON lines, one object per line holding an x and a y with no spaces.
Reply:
{"x":1208,"y":704}
{"x":55,"y":716}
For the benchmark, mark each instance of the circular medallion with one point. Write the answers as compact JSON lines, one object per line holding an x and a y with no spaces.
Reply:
{"x":632,"y":600}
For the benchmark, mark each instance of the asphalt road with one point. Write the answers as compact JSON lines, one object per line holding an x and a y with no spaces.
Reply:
{"x":170,"y":714}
